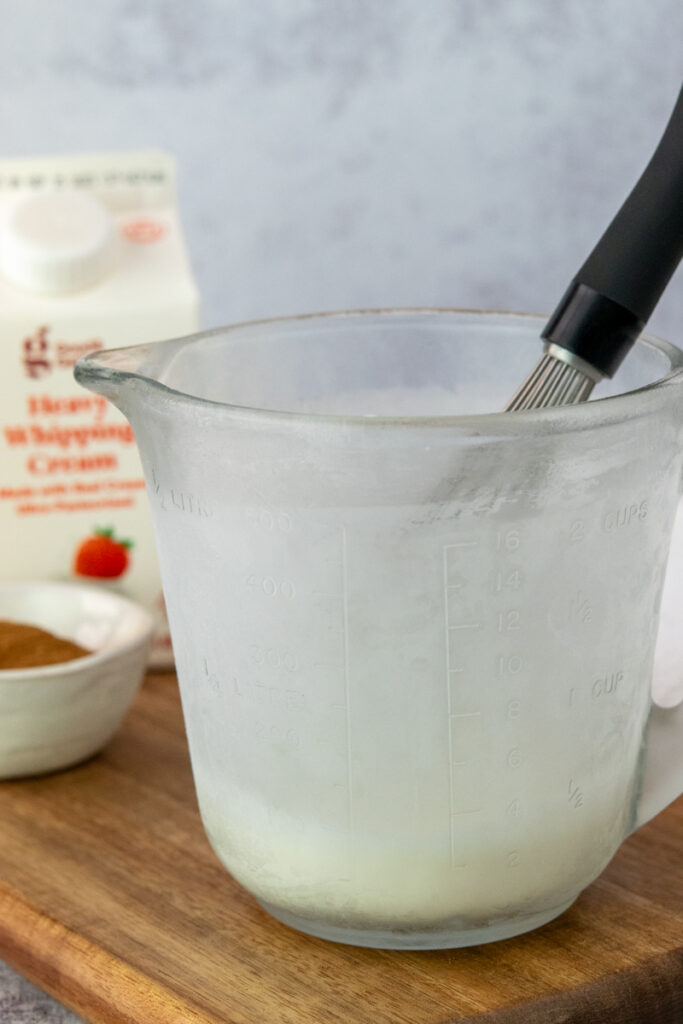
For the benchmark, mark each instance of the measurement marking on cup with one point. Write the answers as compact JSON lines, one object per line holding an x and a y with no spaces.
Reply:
{"x":458,"y":814}
{"x":347,"y":696}
{"x":459,"y":582}
{"x":449,"y":704}
{"x":574,"y":794}
{"x":466,"y":714}
{"x":465,"y":625}
{"x":460,"y":544}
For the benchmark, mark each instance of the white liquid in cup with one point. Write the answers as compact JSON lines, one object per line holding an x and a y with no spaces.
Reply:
{"x":435,"y":749}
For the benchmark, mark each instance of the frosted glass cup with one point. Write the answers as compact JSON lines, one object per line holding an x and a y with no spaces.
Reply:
{"x":414,"y":636}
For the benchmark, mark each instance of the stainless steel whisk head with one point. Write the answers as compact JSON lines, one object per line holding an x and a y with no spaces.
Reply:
{"x":557,"y":379}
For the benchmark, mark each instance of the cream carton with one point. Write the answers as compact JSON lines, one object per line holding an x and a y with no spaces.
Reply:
{"x":91,"y":256}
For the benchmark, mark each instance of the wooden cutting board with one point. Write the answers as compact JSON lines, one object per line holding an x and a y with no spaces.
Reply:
{"x":112,"y":900}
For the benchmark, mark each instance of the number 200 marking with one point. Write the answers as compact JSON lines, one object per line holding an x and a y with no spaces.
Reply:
{"x":272,"y":587}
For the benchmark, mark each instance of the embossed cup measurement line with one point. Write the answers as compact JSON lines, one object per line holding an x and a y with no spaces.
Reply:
{"x":347,"y":687}
{"x":449,"y":707}
{"x":453,"y":590}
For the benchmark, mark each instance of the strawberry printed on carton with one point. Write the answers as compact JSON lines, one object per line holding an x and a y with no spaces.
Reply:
{"x":102,"y":555}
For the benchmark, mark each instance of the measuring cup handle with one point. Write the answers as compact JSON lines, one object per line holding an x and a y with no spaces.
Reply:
{"x":663,"y":769}
{"x":662,"y":779}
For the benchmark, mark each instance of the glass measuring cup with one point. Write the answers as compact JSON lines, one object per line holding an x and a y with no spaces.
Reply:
{"x":414,"y":638}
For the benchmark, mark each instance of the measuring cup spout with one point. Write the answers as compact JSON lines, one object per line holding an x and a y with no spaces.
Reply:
{"x":122,"y":374}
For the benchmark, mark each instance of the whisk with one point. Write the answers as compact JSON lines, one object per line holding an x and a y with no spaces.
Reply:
{"x":611,"y":298}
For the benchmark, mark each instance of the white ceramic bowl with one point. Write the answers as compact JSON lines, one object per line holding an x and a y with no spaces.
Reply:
{"x":58,"y":715}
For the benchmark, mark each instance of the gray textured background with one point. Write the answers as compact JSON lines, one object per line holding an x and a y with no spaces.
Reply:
{"x":346,"y":153}
{"x":357,"y":153}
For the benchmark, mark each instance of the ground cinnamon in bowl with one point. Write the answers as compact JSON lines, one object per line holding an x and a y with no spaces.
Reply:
{"x":24,"y":646}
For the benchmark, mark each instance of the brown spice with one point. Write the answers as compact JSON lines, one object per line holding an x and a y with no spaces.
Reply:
{"x":24,"y":646}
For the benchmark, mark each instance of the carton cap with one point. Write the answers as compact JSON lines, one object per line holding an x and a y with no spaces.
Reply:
{"x":56,"y":241}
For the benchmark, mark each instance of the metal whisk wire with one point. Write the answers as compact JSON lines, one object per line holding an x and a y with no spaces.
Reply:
{"x":551,"y":382}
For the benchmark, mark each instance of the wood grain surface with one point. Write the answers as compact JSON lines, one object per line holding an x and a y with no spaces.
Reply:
{"x":112,"y":900}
